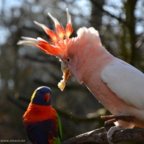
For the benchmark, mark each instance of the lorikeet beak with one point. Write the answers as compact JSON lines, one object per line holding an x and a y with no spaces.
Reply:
{"x":65,"y":76}
{"x":47,"y":97}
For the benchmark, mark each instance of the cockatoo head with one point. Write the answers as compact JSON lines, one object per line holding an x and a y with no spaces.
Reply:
{"x":68,"y":50}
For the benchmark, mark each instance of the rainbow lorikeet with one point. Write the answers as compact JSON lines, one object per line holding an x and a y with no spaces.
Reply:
{"x":41,"y":121}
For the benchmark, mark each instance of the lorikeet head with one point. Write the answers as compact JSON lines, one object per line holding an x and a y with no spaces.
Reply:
{"x":42,"y":96}
{"x":72,"y":52}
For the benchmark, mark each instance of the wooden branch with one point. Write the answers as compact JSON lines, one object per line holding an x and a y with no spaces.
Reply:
{"x":99,"y":136}
{"x":17,"y":102}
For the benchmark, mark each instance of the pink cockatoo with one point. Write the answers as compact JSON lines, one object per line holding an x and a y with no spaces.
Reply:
{"x":115,"y":83}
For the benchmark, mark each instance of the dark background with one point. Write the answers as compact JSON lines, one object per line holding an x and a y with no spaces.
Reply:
{"x":24,"y":68}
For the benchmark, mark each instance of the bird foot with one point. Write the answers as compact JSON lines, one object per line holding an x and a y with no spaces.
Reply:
{"x":111,"y":131}
{"x":113,"y":118}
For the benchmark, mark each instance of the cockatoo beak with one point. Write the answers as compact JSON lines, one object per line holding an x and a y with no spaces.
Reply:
{"x":65,"y":76}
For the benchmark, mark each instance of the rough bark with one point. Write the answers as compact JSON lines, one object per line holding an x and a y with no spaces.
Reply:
{"x":99,"y":136}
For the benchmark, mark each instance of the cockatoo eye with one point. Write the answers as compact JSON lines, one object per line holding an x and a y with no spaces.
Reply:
{"x":68,"y":59}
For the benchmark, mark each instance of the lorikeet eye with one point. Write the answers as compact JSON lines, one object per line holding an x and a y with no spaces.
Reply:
{"x":41,"y":92}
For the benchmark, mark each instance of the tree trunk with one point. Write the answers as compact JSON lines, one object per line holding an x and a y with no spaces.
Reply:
{"x":96,"y":14}
{"x":130,"y":6}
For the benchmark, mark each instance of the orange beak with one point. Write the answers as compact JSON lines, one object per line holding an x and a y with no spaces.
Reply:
{"x":47,"y":97}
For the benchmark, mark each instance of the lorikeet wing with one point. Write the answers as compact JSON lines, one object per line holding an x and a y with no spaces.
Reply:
{"x":59,"y":127}
{"x":43,"y":132}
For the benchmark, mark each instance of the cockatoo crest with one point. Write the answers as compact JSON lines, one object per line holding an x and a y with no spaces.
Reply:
{"x":59,"y":39}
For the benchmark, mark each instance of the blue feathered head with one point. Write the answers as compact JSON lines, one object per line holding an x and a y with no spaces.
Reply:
{"x":42,"y":96}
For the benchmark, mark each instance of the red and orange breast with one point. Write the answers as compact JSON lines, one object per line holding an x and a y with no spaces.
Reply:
{"x":38,"y":113}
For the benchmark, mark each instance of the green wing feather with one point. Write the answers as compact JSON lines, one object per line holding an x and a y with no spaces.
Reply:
{"x":58,"y":140}
{"x":59,"y":126}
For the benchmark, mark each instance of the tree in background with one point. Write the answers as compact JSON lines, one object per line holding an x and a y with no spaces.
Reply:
{"x":24,"y":68}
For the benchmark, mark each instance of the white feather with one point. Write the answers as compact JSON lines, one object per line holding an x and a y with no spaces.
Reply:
{"x":40,"y":25}
{"x":85,"y":33}
{"x":68,"y":16}
{"x":125,"y":81}
{"x":39,"y":38}
{"x":28,"y":41}
{"x":56,"y":22}
{"x":94,"y":31}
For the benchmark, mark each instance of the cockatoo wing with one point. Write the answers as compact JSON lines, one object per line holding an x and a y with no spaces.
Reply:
{"x":125,"y":81}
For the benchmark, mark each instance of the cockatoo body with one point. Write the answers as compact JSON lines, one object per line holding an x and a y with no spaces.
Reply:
{"x":115,"y":83}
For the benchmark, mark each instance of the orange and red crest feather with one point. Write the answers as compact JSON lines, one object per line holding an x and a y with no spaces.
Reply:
{"x":59,"y":39}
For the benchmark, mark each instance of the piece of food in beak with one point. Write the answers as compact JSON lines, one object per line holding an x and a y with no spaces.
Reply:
{"x":65,"y":76}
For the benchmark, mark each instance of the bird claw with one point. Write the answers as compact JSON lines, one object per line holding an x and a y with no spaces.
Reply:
{"x":110,"y":133}
{"x":113,"y":118}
